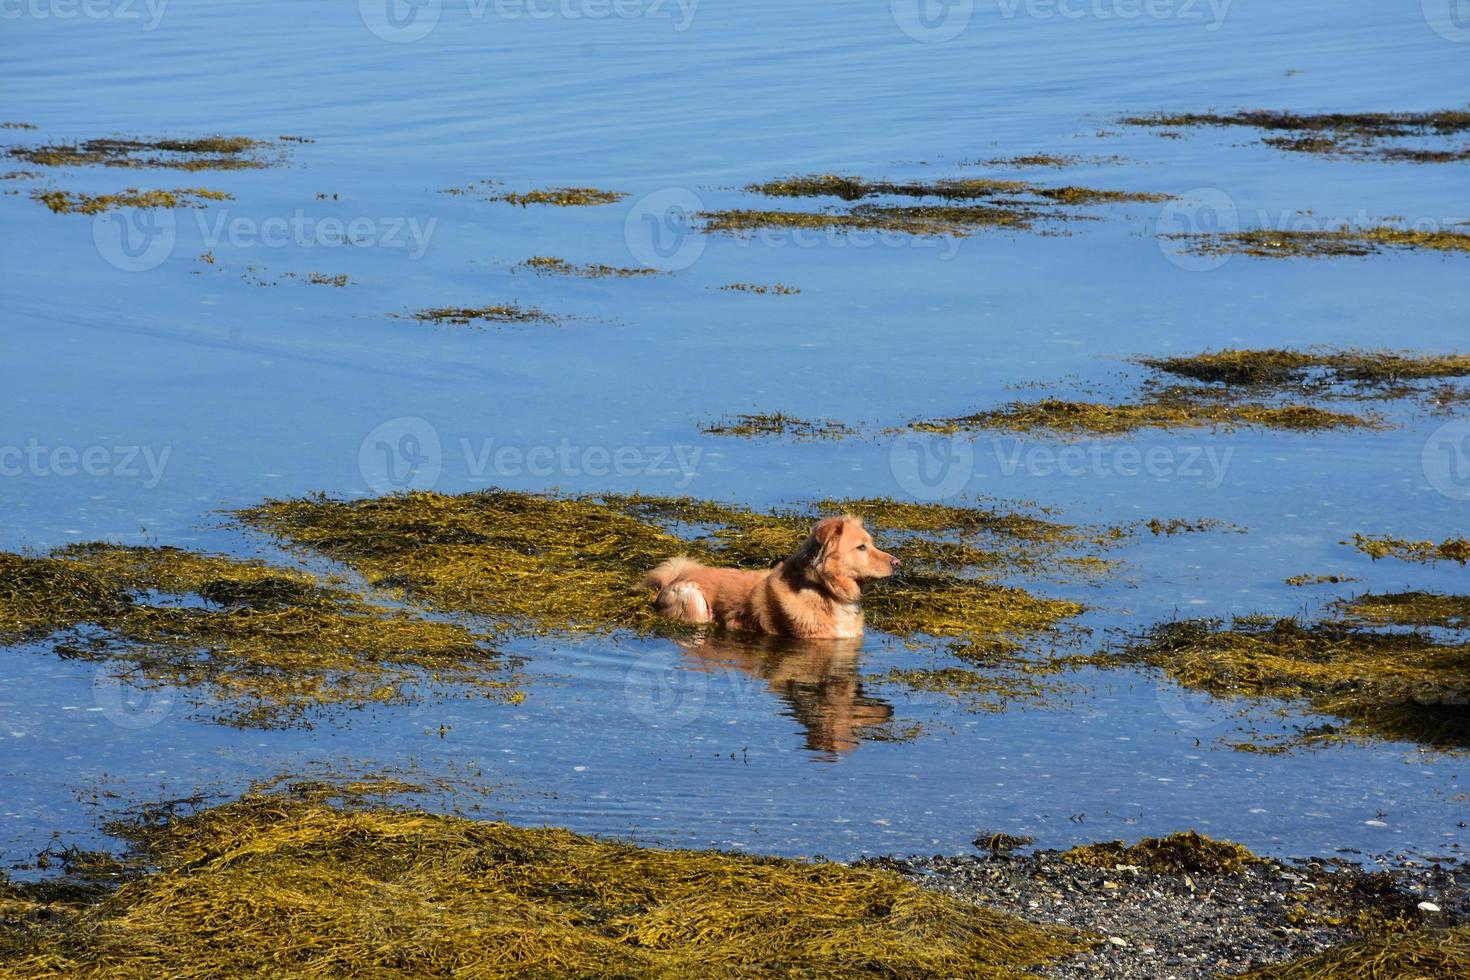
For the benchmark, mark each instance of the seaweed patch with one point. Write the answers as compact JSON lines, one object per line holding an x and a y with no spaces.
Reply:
{"x":776,"y":424}
{"x":1364,"y":135}
{"x":471,"y":315}
{"x":1403,"y":686}
{"x":529,"y":562}
{"x":1171,"y":410}
{"x":760,"y":289}
{"x":561,"y":197}
{"x":546,"y":265}
{"x":1178,"y":854}
{"x":1324,"y":243}
{"x":262,"y":646}
{"x":1385,"y":546}
{"x":1427,"y":954}
{"x":1013,"y":204}
{"x":203,"y":153}
{"x":1314,"y":369}
{"x":67,"y":202}
{"x":387,"y":891}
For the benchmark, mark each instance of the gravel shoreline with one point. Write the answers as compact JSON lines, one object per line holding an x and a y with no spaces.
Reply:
{"x":1185,"y":926}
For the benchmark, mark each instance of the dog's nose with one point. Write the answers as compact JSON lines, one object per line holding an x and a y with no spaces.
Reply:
{"x":894,"y":562}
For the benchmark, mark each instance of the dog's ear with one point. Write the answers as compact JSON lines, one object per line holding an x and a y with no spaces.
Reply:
{"x":828,"y":530}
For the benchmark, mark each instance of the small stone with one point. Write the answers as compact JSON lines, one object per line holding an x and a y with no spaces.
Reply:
{"x":1118,"y":941}
{"x":1428,"y":907}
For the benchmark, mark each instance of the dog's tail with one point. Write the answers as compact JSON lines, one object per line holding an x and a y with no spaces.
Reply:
{"x":669,"y":571}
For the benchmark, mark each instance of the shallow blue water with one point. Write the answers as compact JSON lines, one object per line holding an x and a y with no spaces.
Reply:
{"x":196,"y":390}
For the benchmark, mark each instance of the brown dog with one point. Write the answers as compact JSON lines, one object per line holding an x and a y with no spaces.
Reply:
{"x":814,"y":593}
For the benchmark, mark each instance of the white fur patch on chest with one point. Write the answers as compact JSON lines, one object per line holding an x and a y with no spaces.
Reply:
{"x":847,"y":621}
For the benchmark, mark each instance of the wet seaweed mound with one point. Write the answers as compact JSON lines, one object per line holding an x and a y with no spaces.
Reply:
{"x":532,"y":563}
{"x":259,"y":646}
{"x":1178,"y":854}
{"x":1399,"y":684}
{"x":269,"y":886}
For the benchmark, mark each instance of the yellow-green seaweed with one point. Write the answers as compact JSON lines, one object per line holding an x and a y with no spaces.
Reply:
{"x":1390,"y":685}
{"x":527,"y":562}
{"x":1183,"y":853}
{"x":496,"y":313}
{"x":1172,"y":410}
{"x":1387,"y":546}
{"x":284,"y":887}
{"x":1324,"y":243}
{"x":1276,"y":368}
{"x":69,"y":202}
{"x":1428,"y":955}
{"x":548,"y":265}
{"x":203,"y":153}
{"x":265,"y":646}
{"x":561,"y":197}
{"x":776,"y":424}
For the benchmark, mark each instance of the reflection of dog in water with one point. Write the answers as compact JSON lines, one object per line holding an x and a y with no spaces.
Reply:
{"x":818,"y":679}
{"x":814,"y":593}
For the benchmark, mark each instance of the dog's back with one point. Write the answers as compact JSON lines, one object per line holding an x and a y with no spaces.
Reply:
{"x":698,"y":593}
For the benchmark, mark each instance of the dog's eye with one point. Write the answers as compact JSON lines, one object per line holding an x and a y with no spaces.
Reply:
{"x":862,"y":547}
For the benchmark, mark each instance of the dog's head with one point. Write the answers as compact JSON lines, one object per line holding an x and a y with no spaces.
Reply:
{"x":841,"y":555}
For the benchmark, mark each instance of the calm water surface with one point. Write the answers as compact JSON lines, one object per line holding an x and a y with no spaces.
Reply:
{"x":118,"y":336}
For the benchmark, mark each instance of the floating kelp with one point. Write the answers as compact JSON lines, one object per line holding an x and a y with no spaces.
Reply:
{"x":546,"y":265}
{"x":1408,"y":609}
{"x":67,"y":202}
{"x":1323,"y":243}
{"x":951,"y":221}
{"x":1395,"y":685}
{"x":267,"y":646}
{"x":1015,"y":204}
{"x":498,"y":313}
{"x":1178,"y":854}
{"x":1451,"y":549}
{"x":776,"y":424}
{"x":1055,"y":160}
{"x":338,"y":280}
{"x":760,"y":289}
{"x":1176,"y":409}
{"x":561,"y":197}
{"x":953,"y":189}
{"x":1301,"y":580}
{"x":1312,"y":369}
{"x":272,"y":886}
{"x":534,"y":563}
{"x":1429,"y":955}
{"x":1354,"y":134}
{"x":205,"y":153}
